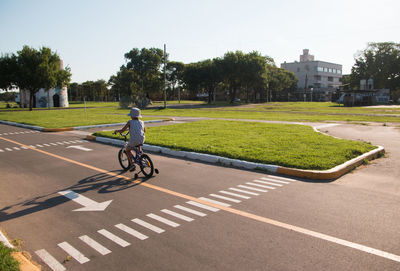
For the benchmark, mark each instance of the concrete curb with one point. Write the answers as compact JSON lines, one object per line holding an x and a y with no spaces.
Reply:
{"x":213,"y":159}
{"x":42,"y":129}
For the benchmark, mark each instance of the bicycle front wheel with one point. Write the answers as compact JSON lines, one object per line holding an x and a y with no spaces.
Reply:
{"x":123,"y":159}
{"x":146,"y":165}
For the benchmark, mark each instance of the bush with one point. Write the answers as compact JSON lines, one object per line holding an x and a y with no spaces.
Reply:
{"x":7,"y":262}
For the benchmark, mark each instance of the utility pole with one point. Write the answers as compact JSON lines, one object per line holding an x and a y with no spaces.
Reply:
{"x":165,"y":77}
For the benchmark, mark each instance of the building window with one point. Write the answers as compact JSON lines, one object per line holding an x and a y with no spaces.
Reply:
{"x":298,"y":69}
{"x":330,"y":79}
{"x":317,"y":77}
{"x":330,"y":70}
{"x":325,"y":69}
{"x":334,"y":70}
{"x":320,"y":69}
{"x":339,"y":71}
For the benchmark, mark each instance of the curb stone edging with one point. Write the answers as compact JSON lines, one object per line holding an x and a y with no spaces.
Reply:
{"x":329,"y":174}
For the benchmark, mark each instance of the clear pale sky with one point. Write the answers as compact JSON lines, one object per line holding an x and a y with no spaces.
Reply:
{"x":92,"y":36}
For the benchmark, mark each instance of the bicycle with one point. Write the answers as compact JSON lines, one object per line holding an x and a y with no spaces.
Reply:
{"x":139,"y":158}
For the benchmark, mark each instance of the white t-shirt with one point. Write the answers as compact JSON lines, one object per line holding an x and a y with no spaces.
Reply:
{"x":136,"y":131}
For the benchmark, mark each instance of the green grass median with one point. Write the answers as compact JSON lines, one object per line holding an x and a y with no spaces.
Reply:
{"x":294,"y":146}
{"x":7,"y":262}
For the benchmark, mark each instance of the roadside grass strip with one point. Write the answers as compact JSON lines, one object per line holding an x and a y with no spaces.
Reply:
{"x":287,"y":145}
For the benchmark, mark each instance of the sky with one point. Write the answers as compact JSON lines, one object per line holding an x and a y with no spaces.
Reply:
{"x":92,"y":36}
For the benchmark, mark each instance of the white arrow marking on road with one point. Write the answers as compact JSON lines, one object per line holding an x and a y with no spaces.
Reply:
{"x":90,"y":205}
{"x":79,"y":147}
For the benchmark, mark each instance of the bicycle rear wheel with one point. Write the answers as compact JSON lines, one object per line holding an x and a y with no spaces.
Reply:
{"x":123,"y":159}
{"x":146,"y":165}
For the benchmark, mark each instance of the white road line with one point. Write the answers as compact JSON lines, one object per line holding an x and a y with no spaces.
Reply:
{"x":190,"y":210}
{"x":96,"y":246}
{"x":131,"y":231}
{"x":39,"y":145}
{"x":183,"y":217}
{"x":8,"y":149}
{"x":215,"y":202}
{"x":50,"y":260}
{"x":73,"y":252}
{"x":234,"y":194}
{"x":23,"y":147}
{"x":33,"y":147}
{"x":59,"y":143}
{"x":114,"y":238}
{"x":47,"y":145}
{"x":225,"y":198}
{"x":272,"y":180}
{"x":5,"y":134}
{"x":15,"y":148}
{"x":54,"y":144}
{"x":163,"y":220}
{"x":1,"y":150}
{"x":244,"y":191}
{"x":202,"y":206}
{"x":79,"y":141}
{"x":148,"y":225}
{"x":66,"y":142}
{"x":252,"y":188}
{"x":281,"y":178}
{"x":262,"y":186}
{"x":270,"y":183}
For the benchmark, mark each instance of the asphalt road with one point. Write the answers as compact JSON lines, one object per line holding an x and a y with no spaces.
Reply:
{"x":287,"y":224}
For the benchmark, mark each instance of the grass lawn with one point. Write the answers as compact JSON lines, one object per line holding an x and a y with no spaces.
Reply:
{"x":7,"y":262}
{"x":299,"y":111}
{"x":67,"y":118}
{"x":294,"y":146}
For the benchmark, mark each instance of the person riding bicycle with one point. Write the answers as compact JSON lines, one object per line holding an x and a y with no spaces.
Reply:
{"x":137,"y":134}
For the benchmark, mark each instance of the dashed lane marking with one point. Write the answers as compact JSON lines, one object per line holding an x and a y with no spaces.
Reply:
{"x":195,"y":201}
{"x":180,"y":216}
{"x":73,"y":252}
{"x":114,"y":238}
{"x":148,"y":225}
{"x":95,"y":245}
{"x":50,"y":260}
{"x":131,"y":231}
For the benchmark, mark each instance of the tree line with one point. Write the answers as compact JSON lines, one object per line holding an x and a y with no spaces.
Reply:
{"x":33,"y":70}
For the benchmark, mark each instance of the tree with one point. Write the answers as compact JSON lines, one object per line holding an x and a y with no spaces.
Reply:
{"x":51,"y":73}
{"x":8,"y":70}
{"x":379,"y":61}
{"x":174,"y":74}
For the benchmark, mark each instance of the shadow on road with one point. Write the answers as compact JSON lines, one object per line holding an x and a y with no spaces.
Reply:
{"x":101,"y":182}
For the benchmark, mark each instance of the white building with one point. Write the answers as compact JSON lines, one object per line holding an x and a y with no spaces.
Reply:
{"x":314,"y":73}
{"x":58,"y":98}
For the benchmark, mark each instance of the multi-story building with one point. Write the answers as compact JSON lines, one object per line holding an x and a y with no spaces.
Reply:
{"x":314,"y":76}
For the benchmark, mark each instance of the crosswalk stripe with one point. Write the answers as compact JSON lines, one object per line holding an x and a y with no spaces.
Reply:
{"x":54,"y":144}
{"x":243,"y":191}
{"x":252,"y":188}
{"x":47,"y":145}
{"x":148,"y":225}
{"x":225,"y":198}
{"x":59,"y":143}
{"x":96,"y":246}
{"x":39,"y":145}
{"x":114,"y":238}
{"x":234,"y":194}
{"x":270,"y":183}
{"x":15,"y":148}
{"x":23,"y":147}
{"x":202,"y":206}
{"x":1,"y":150}
{"x":8,"y":149}
{"x":73,"y":252}
{"x":66,"y":142}
{"x":215,"y":202}
{"x":163,"y":220}
{"x":272,"y":180}
{"x":131,"y":231}
{"x":260,"y":185}
{"x":50,"y":260}
{"x":281,"y":178}
{"x":190,"y":210}
{"x":33,"y":147}
{"x":183,"y":217}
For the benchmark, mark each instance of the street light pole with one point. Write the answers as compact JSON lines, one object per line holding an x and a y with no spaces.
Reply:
{"x":165,"y":77}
